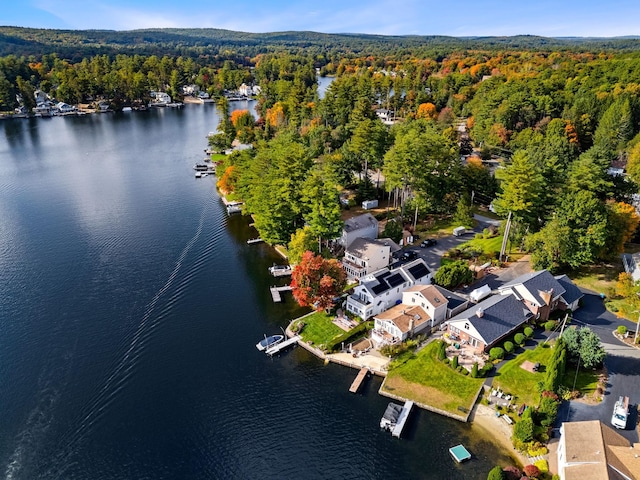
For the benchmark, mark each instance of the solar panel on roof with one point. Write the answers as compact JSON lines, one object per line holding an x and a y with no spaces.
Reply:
{"x":380,"y":288}
{"x":395,"y":280}
{"x":419,"y":270}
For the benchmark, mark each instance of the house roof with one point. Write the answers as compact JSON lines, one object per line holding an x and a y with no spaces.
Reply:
{"x":536,"y":283}
{"x":500,"y":314}
{"x":595,"y":448}
{"x":365,"y":220}
{"x":453,"y":300}
{"x":430,"y":293}
{"x":572,"y":292}
{"x":402,"y":315}
{"x":367,"y":247}
{"x":379,"y":282}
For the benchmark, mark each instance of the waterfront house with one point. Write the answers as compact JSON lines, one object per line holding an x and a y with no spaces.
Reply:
{"x":383,"y":289}
{"x":65,"y":107}
{"x":423,"y":307}
{"x":488,"y":322}
{"x":539,"y":291}
{"x":366,"y":255}
{"x":362,"y":226}
{"x":590,"y":450}
{"x":387,"y":116}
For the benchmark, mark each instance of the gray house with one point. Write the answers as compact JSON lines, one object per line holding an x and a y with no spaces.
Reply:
{"x":365,"y":226}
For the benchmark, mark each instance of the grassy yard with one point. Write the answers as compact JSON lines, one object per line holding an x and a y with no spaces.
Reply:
{"x":218,"y":157}
{"x":519,"y":382}
{"x":484,"y":245}
{"x":319,"y":329}
{"x":427,"y":380}
{"x":586,"y":381}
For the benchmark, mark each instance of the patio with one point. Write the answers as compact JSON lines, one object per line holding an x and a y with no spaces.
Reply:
{"x":467,"y":355}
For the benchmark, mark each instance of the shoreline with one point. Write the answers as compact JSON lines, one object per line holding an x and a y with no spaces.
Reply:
{"x":481,"y":418}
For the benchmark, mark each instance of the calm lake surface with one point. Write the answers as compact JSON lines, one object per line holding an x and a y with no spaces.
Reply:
{"x":130,"y":306}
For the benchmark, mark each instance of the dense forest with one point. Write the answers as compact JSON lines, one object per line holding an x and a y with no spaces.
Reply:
{"x":557,"y":113}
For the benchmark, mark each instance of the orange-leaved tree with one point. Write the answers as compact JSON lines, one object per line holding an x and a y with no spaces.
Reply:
{"x":316,"y":281}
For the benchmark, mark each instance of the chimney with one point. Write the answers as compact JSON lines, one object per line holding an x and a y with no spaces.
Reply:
{"x":547,"y":296}
{"x":411,"y":325}
{"x":479,"y":312}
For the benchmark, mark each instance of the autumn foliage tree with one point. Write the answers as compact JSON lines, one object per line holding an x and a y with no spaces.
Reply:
{"x":316,"y":281}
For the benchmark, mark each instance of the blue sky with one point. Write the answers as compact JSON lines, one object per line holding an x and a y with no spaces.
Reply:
{"x":553,"y":18}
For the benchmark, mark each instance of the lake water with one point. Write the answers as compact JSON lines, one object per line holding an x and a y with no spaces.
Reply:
{"x":130,"y":306}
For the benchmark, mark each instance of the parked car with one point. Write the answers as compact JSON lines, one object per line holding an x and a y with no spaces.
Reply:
{"x":429,"y":242}
{"x":408,"y":255}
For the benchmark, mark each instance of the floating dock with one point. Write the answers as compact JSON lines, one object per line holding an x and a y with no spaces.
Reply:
{"x":459,"y":453}
{"x":355,"y":386}
{"x":282,"y":345}
{"x":402,"y":419}
{"x":276,"y":292}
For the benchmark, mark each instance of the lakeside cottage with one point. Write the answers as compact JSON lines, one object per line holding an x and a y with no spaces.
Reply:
{"x":362,"y":226}
{"x":488,"y":322}
{"x":383,"y":289}
{"x":366,"y":255}
{"x":423,"y":307}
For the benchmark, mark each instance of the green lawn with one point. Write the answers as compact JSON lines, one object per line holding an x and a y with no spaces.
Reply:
{"x":519,"y":382}
{"x":319,"y":329}
{"x":586,"y":381}
{"x":218,"y":157}
{"x":426,"y":380}
{"x":487,"y":246}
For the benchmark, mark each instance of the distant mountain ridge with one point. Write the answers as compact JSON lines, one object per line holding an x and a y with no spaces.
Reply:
{"x":74,"y":44}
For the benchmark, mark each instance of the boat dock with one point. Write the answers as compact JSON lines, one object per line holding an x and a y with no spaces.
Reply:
{"x":402,"y":419}
{"x":280,"y":270}
{"x":276,"y":292}
{"x":282,"y":345}
{"x":355,"y":386}
{"x":251,"y":241}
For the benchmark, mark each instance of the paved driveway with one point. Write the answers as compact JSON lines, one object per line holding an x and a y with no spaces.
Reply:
{"x":622,"y":363}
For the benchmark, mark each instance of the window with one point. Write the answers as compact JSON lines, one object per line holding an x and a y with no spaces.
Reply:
{"x":466,"y":325}
{"x":413,"y":300}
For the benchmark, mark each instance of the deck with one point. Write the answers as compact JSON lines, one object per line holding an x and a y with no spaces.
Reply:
{"x":276,"y":292}
{"x":355,"y":386}
{"x":282,"y":345}
{"x":402,"y":419}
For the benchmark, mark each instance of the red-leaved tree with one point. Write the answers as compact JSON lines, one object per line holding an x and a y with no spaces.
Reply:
{"x":316,"y":281}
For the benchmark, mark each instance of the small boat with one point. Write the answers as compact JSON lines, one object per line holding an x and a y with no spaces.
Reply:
{"x":280,"y":270}
{"x":268,"y":342}
{"x":390,"y":417}
{"x":198,"y":174}
{"x":234,"y":207}
{"x":201,"y":167}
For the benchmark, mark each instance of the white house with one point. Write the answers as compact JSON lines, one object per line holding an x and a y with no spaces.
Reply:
{"x":383,"y":289}
{"x":190,"y":89}
{"x":65,"y":107}
{"x":365,"y":226}
{"x":245,"y":90}
{"x":366,"y":255}
{"x":387,"y":116}
{"x":398,"y":323}
{"x":162,"y":97}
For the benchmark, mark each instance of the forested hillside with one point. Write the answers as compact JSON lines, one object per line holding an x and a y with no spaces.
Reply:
{"x":558,"y":113}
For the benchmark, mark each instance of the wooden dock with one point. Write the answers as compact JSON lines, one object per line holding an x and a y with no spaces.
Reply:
{"x":276,"y":292}
{"x":355,"y":386}
{"x":282,"y":345}
{"x":404,"y":414}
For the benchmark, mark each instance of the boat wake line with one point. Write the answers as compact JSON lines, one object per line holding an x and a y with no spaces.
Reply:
{"x":115,"y":383}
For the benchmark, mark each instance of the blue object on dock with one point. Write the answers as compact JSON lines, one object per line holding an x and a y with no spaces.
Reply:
{"x":459,"y":453}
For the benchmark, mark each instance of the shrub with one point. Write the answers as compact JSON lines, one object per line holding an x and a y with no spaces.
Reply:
{"x":528,"y":332}
{"x":622,"y":329}
{"x":531,"y":471}
{"x":509,"y":346}
{"x":496,"y":353}
{"x":542,"y":465}
{"x":523,"y":429}
{"x":474,"y":370}
{"x":463,"y":370}
{"x":442,"y":351}
{"x":454,"y":362}
{"x":512,"y":473}
{"x":496,"y":473}
{"x":550,"y":325}
{"x":446,"y":361}
{"x":519,"y":338}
